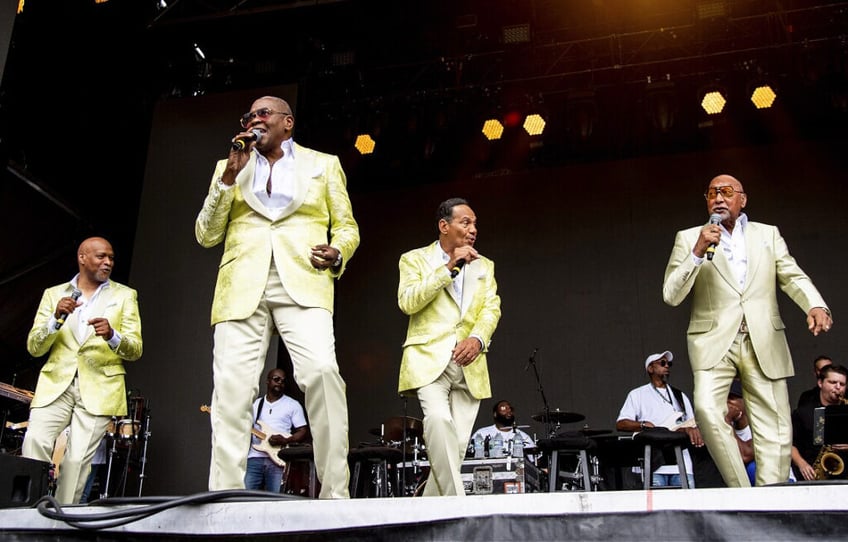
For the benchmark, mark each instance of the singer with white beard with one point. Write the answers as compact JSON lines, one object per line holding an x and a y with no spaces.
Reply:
{"x":735,"y":328}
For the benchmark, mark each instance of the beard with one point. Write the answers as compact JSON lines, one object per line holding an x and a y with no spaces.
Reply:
{"x":504,"y":420}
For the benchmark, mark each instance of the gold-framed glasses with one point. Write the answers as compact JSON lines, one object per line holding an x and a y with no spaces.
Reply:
{"x":263,"y":114}
{"x":726,"y":192}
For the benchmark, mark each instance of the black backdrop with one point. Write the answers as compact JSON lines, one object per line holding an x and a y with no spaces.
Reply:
{"x":580,"y":252}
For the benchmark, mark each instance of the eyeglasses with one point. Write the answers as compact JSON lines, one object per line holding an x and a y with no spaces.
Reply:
{"x":276,"y":378}
{"x":727,"y":192}
{"x":263,"y":114}
{"x":663,"y":363}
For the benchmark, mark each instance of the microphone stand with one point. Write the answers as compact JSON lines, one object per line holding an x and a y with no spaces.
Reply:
{"x":547,"y":409}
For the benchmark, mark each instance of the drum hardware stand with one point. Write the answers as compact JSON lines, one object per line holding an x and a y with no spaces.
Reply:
{"x":143,"y":459}
{"x":104,"y":491}
{"x":596,"y":477}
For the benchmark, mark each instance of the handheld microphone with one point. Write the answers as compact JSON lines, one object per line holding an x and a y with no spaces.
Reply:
{"x":64,"y":315}
{"x":715,"y":218}
{"x":241,"y":142}
{"x":460,"y":263}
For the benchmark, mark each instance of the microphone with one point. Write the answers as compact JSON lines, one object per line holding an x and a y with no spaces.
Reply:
{"x":532,"y":359}
{"x":715,"y":218}
{"x":460,"y":263}
{"x":64,"y":315}
{"x":241,"y":142}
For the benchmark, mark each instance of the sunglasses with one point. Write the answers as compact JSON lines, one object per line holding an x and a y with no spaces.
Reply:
{"x":726,"y":192}
{"x":663,"y":363}
{"x":263,"y":114}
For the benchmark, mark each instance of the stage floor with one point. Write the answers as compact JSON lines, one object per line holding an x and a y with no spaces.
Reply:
{"x":796,"y":512}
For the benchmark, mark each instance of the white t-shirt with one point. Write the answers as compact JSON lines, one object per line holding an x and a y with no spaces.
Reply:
{"x":280,"y":416}
{"x":660,"y":407}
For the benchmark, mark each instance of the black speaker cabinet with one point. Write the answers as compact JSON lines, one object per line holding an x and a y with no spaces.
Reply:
{"x":22,"y":480}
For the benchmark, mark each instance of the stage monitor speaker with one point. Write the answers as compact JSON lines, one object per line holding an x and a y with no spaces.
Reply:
{"x":22,"y":480}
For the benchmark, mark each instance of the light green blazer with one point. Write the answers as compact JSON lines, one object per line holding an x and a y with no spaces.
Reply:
{"x":101,"y":370}
{"x":319,"y":213}
{"x":718,"y":304}
{"x":437,"y":321}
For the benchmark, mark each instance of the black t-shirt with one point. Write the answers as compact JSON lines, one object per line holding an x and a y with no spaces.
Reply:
{"x":802,"y":429}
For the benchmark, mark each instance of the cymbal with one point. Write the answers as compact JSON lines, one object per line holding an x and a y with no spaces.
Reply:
{"x":555,"y":416}
{"x":393,"y":428}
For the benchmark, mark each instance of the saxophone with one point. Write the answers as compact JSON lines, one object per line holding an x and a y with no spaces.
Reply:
{"x":828,"y":464}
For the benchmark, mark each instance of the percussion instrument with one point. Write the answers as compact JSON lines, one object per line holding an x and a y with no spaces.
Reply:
{"x":124,"y":428}
{"x":393,"y":428}
{"x":558,"y":417}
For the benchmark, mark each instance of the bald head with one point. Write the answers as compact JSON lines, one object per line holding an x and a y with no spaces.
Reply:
{"x":726,"y":197}
{"x":278,"y":104}
{"x":93,"y":243}
{"x":95,"y":259}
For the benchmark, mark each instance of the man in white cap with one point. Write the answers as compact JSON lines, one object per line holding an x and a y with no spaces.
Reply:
{"x":658,"y":404}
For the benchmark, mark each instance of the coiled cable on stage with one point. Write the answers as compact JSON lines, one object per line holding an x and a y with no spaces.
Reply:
{"x":48,"y":507}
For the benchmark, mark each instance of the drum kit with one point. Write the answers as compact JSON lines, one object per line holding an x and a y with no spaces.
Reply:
{"x":127,"y":439}
{"x":406,"y":434}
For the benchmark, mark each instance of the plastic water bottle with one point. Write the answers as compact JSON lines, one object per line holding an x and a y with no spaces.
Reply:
{"x":497,"y":446}
{"x":478,"y":447}
{"x":517,"y":446}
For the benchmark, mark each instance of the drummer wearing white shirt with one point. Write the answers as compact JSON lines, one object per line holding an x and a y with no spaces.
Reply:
{"x":504,"y":425}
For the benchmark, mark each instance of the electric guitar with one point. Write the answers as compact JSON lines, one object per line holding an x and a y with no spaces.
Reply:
{"x":262,"y":435}
{"x":671,"y":423}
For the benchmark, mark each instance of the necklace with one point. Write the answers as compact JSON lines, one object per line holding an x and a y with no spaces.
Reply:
{"x":663,"y":397}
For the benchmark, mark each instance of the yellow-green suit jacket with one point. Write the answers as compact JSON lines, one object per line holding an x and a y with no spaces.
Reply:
{"x":253,"y":237}
{"x":437,"y":322}
{"x":718,"y":304}
{"x":101,"y":370}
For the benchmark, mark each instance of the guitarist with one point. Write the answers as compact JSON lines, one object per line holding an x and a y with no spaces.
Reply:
{"x":282,"y":420}
{"x":658,"y":404}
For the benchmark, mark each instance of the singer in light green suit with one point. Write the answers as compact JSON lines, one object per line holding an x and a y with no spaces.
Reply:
{"x":82,"y":382}
{"x":735,"y":328}
{"x":451,"y":323}
{"x":284,"y":216}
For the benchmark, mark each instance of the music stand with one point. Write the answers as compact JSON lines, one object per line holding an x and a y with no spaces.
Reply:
{"x":830,"y":425}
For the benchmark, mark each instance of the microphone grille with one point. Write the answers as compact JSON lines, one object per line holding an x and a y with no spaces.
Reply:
{"x":257,"y":133}
{"x":715,"y":218}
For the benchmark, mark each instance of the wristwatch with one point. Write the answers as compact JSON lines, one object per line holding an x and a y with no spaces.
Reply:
{"x":338,"y":261}
{"x":641,"y":426}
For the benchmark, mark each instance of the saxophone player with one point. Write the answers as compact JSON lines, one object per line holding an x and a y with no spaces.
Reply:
{"x":831,"y":382}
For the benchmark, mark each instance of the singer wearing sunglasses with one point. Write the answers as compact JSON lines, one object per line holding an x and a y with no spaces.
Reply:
{"x":735,"y":327}
{"x":284,"y":215}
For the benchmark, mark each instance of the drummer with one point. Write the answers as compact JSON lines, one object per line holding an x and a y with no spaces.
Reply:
{"x":504,"y":416}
